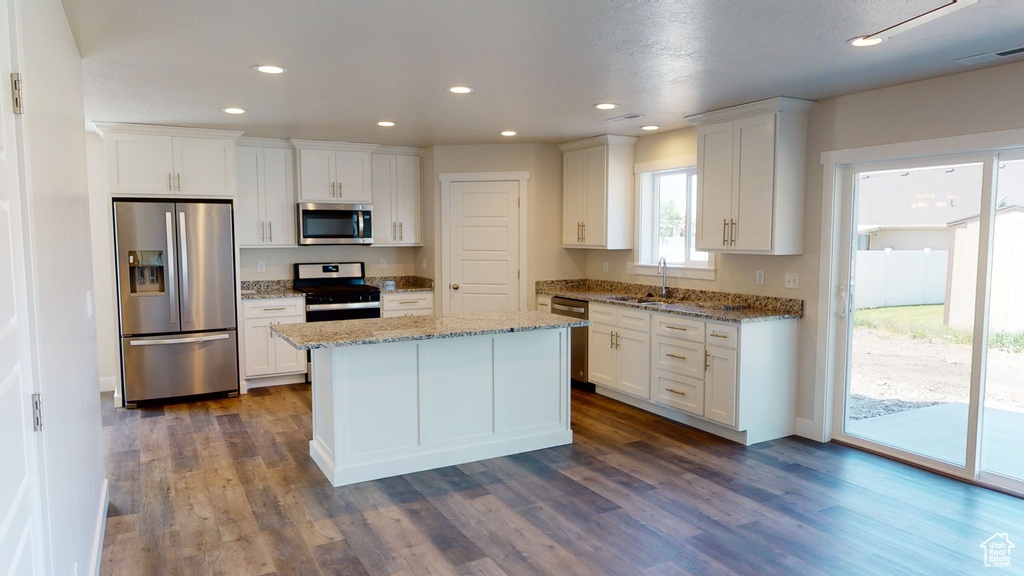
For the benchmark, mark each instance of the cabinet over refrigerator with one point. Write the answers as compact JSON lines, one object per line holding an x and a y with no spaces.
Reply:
{"x":176,"y":292}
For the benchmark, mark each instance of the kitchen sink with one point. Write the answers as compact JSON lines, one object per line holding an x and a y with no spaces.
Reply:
{"x":646,"y":301}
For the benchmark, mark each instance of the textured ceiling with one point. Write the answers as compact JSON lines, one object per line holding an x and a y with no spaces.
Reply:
{"x":537,"y":66}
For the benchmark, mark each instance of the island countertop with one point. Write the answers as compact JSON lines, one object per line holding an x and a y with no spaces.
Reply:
{"x":310,"y":335}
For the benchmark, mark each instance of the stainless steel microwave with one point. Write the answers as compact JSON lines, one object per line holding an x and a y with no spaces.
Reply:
{"x":334,"y":223}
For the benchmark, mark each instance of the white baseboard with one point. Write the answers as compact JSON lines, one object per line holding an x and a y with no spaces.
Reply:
{"x":108,"y":383}
{"x":275,"y":380}
{"x":101,"y":528}
{"x":809,"y":429}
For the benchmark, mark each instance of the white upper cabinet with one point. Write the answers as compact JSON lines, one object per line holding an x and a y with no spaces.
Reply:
{"x":396,"y":199}
{"x":750,"y":177}
{"x":597,"y":193}
{"x":334,"y":171}
{"x":169,"y":161}
{"x":265,"y":211}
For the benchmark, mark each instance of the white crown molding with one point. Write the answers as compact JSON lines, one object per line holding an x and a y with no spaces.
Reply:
{"x":399,"y":150}
{"x":610,"y":139}
{"x":103,"y":128}
{"x":781,"y":103}
{"x":325,"y":145}
{"x":265,"y":143}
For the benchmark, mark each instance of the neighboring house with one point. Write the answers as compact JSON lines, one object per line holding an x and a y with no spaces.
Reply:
{"x":1006,"y":309}
{"x":903,"y":237}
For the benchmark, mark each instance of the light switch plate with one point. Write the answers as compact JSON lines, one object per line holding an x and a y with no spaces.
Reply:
{"x":424,"y":263}
{"x":261,"y":266}
{"x":383,"y":263}
{"x":792,"y":280}
{"x":760,"y":277}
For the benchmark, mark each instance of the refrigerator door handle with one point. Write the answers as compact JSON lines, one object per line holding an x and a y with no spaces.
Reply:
{"x":172,"y":280}
{"x":183,"y":235}
{"x":190,"y":340}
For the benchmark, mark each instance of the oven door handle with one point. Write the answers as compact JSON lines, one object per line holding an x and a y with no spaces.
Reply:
{"x":350,"y":306}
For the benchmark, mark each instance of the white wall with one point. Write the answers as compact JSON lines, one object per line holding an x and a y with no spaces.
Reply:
{"x":61,"y":283}
{"x":278,"y":261}
{"x":104,"y":277}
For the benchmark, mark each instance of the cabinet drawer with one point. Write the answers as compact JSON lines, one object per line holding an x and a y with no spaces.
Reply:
{"x":678,"y":356}
{"x":600,"y":313}
{"x":634,"y":320}
{"x":411,"y":312}
{"x":544,"y":303}
{"x":679,"y":327}
{"x":274,"y":307}
{"x":407,"y":301}
{"x":724,"y":335}
{"x":679,"y":392}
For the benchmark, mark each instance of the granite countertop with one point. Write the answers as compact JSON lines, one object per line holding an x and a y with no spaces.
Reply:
{"x":264,"y":295}
{"x":266,"y":289}
{"x":393,"y":284}
{"x":700,"y":304}
{"x":312,"y":335}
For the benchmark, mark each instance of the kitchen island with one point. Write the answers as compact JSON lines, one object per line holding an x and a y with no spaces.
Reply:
{"x":398,"y":395}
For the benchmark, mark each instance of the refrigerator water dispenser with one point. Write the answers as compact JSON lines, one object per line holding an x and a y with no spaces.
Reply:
{"x":146,"y":272}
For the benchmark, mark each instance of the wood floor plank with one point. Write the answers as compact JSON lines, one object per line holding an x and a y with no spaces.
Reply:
{"x":226,"y":487}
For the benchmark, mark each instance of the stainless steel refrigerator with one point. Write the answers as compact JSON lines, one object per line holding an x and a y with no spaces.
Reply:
{"x":176,"y":291}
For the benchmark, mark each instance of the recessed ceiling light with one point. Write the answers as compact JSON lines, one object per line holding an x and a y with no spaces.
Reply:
{"x":606,"y":106}
{"x":269,"y":69}
{"x":235,"y":110}
{"x":385,"y":124}
{"x":865,"y":41}
{"x":509,"y":133}
{"x":650,"y":127}
{"x":460,"y":89}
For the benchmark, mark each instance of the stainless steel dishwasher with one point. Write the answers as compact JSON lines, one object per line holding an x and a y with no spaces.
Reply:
{"x":575,"y":309}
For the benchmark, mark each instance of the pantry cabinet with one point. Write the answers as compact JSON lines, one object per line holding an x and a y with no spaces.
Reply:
{"x":619,"y":349}
{"x":266,"y":354}
{"x":750,"y":177}
{"x":265,"y":211}
{"x":334,"y":171}
{"x":597,"y":193}
{"x":169,"y":161}
{"x":396,"y":199}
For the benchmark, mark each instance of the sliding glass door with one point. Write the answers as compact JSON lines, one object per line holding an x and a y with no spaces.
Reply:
{"x":931,"y":360}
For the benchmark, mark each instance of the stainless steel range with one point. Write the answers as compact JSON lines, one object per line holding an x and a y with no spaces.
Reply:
{"x":337,"y":291}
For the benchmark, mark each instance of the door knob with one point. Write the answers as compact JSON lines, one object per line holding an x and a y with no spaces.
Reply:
{"x":453,"y":286}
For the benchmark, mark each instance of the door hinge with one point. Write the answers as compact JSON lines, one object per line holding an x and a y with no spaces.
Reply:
{"x":16,"y":93}
{"x":37,"y":412}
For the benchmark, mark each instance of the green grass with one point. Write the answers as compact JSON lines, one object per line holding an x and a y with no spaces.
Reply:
{"x":925,"y":323}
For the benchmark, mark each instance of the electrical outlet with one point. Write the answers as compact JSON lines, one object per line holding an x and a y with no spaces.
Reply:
{"x":792,"y":280}
{"x":383,"y":263}
{"x":605,"y":267}
{"x":261,"y":266}
{"x":760,"y":277}
{"x":424,"y":263}
{"x":629,"y":267}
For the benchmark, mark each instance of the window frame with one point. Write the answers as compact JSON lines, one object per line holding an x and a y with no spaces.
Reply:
{"x":646,"y":233}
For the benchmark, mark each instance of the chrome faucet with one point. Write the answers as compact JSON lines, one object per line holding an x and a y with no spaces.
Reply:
{"x":663,"y":268}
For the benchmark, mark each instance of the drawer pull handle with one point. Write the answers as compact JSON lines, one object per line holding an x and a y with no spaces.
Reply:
{"x":674,"y":391}
{"x":717,"y":335}
{"x":671,"y":327}
{"x":676,"y":356}
{"x":408,"y":301}
{"x":273,"y":309}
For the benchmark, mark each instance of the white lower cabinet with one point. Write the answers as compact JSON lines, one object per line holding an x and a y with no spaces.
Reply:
{"x":620,"y":348}
{"x":734,"y":380}
{"x":406,"y":304}
{"x":265,"y":353}
{"x":544,"y":302}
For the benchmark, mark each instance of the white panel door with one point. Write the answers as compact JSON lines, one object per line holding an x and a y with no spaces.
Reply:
{"x":714,"y":185}
{"x":407,"y":200}
{"x":204,"y":166}
{"x":484,"y":255}
{"x":755,"y":186}
{"x":20,"y":537}
{"x":316,"y":175}
{"x":250,"y":226}
{"x":279,"y":196}
{"x":353,"y":176}
{"x":720,"y":386}
{"x":140,"y":164}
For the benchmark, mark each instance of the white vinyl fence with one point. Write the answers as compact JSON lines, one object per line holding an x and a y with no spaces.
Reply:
{"x":900,"y":277}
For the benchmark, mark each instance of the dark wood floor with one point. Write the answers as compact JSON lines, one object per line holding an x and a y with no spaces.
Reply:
{"x":227,"y":487}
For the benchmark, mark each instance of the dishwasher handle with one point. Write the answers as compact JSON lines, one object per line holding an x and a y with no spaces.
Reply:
{"x":572,"y":309}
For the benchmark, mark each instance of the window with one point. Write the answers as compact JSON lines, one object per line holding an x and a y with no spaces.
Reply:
{"x":668,"y":219}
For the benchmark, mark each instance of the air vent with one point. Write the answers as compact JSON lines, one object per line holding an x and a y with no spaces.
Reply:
{"x":630,"y":116}
{"x":988,"y":57}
